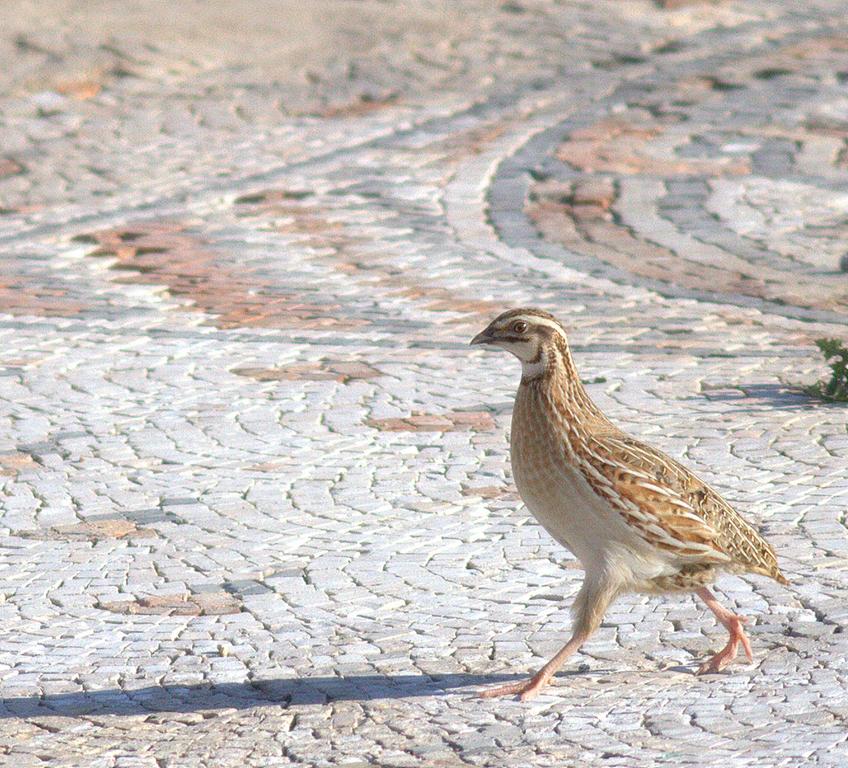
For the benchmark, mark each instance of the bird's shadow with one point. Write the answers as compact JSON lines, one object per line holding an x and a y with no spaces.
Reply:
{"x":763,"y":397}
{"x":246,"y":695}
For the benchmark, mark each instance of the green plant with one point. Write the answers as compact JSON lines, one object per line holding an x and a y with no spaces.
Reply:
{"x":837,"y":388}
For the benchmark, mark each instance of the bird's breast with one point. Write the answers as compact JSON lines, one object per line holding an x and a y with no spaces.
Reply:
{"x":556,"y":491}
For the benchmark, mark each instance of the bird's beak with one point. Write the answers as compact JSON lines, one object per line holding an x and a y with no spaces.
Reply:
{"x":484,"y":337}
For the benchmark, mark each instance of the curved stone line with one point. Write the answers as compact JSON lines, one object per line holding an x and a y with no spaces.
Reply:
{"x":512,"y":180}
{"x":508,"y":98}
{"x":173,"y":205}
{"x":743,"y":246}
{"x":727,"y":239}
{"x":523,"y":234}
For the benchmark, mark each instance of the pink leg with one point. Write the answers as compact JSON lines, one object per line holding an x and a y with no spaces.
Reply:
{"x":527,"y":689}
{"x":733,"y":623}
{"x":592,"y":602}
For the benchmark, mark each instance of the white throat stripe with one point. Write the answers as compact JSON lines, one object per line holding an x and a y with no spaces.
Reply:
{"x":532,"y":369}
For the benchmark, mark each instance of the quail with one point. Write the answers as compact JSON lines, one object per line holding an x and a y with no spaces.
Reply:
{"x":636,"y":519}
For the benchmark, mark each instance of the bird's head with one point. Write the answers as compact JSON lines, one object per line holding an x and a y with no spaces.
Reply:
{"x":532,"y":335}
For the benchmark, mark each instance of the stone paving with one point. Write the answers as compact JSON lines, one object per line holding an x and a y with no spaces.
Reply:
{"x":257,"y":508}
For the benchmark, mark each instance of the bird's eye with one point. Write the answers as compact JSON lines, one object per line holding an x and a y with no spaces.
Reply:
{"x":519,"y":326}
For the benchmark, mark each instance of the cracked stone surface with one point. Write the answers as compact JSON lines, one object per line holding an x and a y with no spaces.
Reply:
{"x":256,"y":502}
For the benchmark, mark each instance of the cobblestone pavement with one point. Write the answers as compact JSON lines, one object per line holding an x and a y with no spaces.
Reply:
{"x":257,"y":505}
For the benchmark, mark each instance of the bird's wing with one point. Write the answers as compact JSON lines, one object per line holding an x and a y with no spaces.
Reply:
{"x":674,"y":509}
{"x":662,"y":512}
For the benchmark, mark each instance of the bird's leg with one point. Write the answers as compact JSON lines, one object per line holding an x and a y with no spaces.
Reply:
{"x":734,"y":625}
{"x":589,"y":608}
{"x":529,"y":688}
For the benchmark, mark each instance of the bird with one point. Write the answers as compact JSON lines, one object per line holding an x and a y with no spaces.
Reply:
{"x":637,"y":520}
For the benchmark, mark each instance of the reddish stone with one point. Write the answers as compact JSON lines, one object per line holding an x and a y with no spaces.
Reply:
{"x":344,"y":372}
{"x":9,"y":167}
{"x":585,"y":229}
{"x":594,"y":191}
{"x":176,"y":605}
{"x":500,"y":492}
{"x":621,"y":145}
{"x":97,"y":530}
{"x":166,"y":253}
{"x":79,"y":89}
{"x":23,"y":294}
{"x":457,"y":421}
{"x":216,"y":603}
{"x":12,"y":463}
{"x":472,"y":141}
{"x":210,"y":604}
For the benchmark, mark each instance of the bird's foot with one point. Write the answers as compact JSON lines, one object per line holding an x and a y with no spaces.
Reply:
{"x":526,"y":689}
{"x":734,"y":624}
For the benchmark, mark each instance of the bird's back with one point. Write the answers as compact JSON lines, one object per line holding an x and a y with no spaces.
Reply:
{"x":746,"y":549}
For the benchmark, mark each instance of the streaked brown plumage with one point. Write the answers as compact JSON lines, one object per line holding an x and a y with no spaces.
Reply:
{"x":636,"y":519}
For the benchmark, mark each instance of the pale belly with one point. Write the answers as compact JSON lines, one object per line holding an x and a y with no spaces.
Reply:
{"x":567,"y":507}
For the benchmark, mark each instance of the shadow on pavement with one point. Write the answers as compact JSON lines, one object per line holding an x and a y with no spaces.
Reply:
{"x":767,"y":397}
{"x":192,"y":698}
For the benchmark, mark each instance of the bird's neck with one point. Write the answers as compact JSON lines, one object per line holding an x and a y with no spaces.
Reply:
{"x":554,"y":374}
